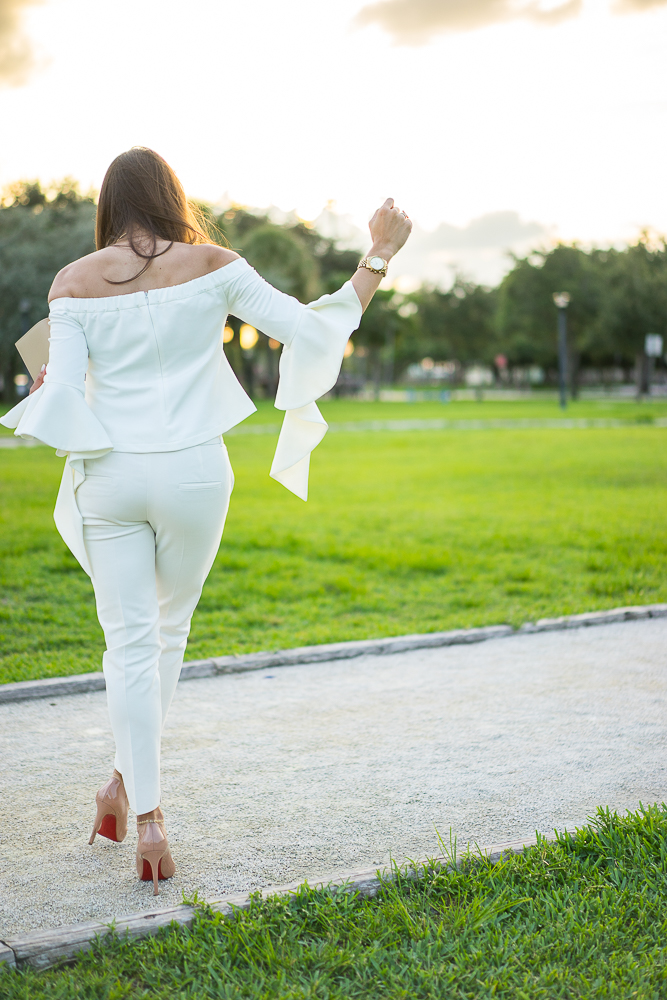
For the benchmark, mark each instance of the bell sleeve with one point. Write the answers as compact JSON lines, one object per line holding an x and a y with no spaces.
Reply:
{"x":57,"y":415}
{"x":314,"y":337}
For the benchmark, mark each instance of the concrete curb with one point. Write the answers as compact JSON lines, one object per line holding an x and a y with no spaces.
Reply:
{"x":81,"y":683}
{"x":43,"y":949}
{"x":597,"y":618}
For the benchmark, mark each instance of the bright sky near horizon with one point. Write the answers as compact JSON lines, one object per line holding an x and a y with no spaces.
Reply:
{"x":494,"y":123}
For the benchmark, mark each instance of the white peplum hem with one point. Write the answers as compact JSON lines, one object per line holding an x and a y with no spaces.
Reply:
{"x":58,"y":415}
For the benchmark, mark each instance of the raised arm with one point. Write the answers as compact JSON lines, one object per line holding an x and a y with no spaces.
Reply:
{"x":390,"y":228}
{"x":278,"y":315}
{"x":314,"y":337}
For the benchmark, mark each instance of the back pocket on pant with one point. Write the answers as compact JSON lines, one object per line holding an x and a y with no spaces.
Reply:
{"x":98,"y":485}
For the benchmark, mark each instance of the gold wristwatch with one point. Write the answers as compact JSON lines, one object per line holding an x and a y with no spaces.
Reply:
{"x":378,"y":265}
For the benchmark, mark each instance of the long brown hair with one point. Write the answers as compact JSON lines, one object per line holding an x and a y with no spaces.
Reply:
{"x":142,"y":194}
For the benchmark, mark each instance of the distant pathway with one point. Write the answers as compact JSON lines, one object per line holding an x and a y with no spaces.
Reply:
{"x":298,"y":772}
{"x":567,"y":423}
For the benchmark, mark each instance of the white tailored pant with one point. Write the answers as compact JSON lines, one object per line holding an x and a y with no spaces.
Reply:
{"x":152,"y":524}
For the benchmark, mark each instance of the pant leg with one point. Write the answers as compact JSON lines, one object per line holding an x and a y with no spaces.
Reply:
{"x":188,"y":499}
{"x":152,"y":527}
{"x":121,"y":548}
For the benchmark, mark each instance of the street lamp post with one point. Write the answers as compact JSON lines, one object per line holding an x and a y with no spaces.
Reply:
{"x":652,"y":350}
{"x":562,"y":301}
{"x":22,"y":380}
{"x":24,"y":312}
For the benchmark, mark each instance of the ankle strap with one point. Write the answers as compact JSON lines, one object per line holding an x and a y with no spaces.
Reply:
{"x":142,"y":822}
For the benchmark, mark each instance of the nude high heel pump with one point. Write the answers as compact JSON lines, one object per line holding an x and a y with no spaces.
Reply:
{"x":112,"y":806}
{"x":154,"y":860}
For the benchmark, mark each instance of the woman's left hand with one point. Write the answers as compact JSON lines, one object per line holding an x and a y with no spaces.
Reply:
{"x":38,"y":381}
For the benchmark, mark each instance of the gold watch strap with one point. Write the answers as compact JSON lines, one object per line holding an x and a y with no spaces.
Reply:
{"x":366,"y":263}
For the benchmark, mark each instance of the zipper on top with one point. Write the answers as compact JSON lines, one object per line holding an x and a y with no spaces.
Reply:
{"x":157,"y":348}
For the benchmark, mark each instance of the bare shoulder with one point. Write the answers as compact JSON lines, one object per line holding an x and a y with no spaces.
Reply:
{"x":218,"y":256}
{"x":199,"y":257}
{"x":193,"y":260}
{"x":96,"y":275}
{"x":68,"y":282}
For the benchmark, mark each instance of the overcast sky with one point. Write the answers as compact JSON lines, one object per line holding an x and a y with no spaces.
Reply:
{"x":495,"y":123}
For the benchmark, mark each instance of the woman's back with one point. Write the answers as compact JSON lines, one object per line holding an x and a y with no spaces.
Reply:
{"x":151,"y":362}
{"x":94,"y":276}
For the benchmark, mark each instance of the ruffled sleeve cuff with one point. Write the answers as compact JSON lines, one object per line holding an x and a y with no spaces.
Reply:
{"x":57,"y":415}
{"x":309,"y":368}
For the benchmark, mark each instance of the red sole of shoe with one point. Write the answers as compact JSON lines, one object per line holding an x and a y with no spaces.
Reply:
{"x":108,"y":828}
{"x":147,"y":874}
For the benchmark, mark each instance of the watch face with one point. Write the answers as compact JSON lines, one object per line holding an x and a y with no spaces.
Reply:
{"x":376,"y":262}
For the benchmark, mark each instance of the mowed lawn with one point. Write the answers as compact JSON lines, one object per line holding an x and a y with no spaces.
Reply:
{"x":410,"y":531}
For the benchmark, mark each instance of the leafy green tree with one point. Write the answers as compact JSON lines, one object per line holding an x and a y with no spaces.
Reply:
{"x":40,"y":232}
{"x":336,"y":266}
{"x":457,"y":324}
{"x":526,"y":317}
{"x":235,"y":224}
{"x":377,"y":335}
{"x":281,"y":257}
{"x":635,"y":302}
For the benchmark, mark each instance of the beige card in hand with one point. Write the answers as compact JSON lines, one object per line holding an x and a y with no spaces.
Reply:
{"x":34,"y":347}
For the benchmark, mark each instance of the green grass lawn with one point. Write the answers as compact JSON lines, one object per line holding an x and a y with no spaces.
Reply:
{"x":584,"y":917}
{"x":404,"y":532}
{"x":535,"y":408}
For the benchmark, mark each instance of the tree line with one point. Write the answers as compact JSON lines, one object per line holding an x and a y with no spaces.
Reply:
{"x":617,"y":295}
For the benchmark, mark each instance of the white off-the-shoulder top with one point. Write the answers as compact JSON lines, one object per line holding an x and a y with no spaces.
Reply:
{"x":146,"y":371}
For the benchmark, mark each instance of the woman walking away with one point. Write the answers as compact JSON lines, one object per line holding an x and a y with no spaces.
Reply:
{"x":137,"y":394}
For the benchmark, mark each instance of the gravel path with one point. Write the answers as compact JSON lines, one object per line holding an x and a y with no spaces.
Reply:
{"x":307,"y":771}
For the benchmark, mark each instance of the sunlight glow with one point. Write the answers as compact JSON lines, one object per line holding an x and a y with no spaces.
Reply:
{"x":462,"y":128}
{"x":248,"y":336}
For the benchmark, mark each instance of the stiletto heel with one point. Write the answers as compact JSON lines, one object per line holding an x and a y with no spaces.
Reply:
{"x":152,"y":868}
{"x":154,"y":860}
{"x":112,"y":806}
